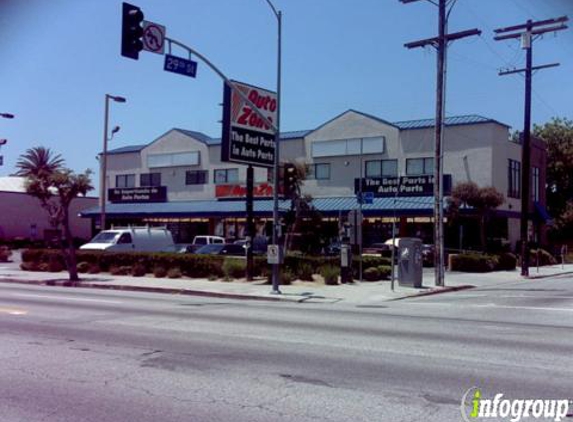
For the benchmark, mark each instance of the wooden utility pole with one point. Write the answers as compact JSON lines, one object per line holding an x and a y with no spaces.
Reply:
{"x":441,"y":44}
{"x":526,"y":32}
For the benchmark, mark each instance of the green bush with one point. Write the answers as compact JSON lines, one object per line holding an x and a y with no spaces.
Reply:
{"x":94,"y":269}
{"x":385,"y":272}
{"x":371,"y":274}
{"x":234,"y":268}
{"x":29,"y":266}
{"x":473,"y":263}
{"x":506,"y":262}
{"x":138,"y":270}
{"x":160,"y":272}
{"x":120,"y":270}
{"x":330,"y":274}
{"x":286,"y":278}
{"x":5,"y":253}
{"x":174,"y":272}
{"x":305,"y":272}
{"x":55,"y":265}
{"x":544,"y":257}
{"x":83,"y":267}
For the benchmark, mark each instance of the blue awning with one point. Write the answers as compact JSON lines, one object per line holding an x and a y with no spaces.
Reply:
{"x":410,"y":206}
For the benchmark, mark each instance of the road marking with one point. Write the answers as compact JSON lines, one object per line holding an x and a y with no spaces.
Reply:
{"x":491,"y":305}
{"x":77,"y":299}
{"x":13,"y":311}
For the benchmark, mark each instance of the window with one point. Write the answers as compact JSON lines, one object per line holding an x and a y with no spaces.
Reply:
{"x":174,"y":159}
{"x":150,"y":179}
{"x":125,"y":181}
{"x":535,"y":183}
{"x":514,"y":179}
{"x":226,"y":176}
{"x":196,"y":177}
{"x":345,"y":147}
{"x":124,"y":238}
{"x":419,"y":166}
{"x":319,"y":171}
{"x":381,"y":168}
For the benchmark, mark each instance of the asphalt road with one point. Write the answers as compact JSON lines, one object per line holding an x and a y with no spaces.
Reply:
{"x":90,"y":355}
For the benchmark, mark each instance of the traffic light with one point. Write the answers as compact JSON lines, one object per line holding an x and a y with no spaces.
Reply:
{"x":131,"y":31}
{"x":289,"y":180}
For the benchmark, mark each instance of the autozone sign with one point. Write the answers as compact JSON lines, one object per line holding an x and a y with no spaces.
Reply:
{"x":238,"y":191}
{"x":247,"y":138}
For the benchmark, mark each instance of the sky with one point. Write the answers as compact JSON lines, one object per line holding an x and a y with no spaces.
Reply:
{"x":59,"y":58}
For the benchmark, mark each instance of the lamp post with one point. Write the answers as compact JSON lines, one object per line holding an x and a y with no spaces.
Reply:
{"x":276,"y":268}
{"x":103,"y":180}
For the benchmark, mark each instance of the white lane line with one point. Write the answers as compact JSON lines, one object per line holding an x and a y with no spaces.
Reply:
{"x":77,"y":299}
{"x":491,"y":305}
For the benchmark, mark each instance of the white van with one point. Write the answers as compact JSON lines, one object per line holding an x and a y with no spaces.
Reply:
{"x":132,"y":239}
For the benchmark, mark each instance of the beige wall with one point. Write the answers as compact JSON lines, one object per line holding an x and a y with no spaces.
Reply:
{"x":19,"y":211}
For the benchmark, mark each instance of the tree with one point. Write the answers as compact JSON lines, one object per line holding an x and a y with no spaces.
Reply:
{"x":56,"y":187}
{"x":558,"y":134}
{"x":482,"y":200}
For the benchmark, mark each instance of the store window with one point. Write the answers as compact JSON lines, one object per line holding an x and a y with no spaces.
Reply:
{"x":196,"y":177}
{"x":150,"y":179}
{"x":381,"y":168}
{"x":535,"y":183}
{"x":226,"y":176}
{"x":125,"y":181}
{"x":319,"y":171}
{"x":344,"y":147}
{"x":419,"y":166}
{"x":514,"y":179}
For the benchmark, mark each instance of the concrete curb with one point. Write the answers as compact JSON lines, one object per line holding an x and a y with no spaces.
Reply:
{"x":433,"y":292}
{"x":540,"y":276}
{"x":163,"y":290}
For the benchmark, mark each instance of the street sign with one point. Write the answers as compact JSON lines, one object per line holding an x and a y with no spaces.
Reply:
{"x":180,"y":66}
{"x":422,"y":185}
{"x":274,"y":254}
{"x":246,"y":139}
{"x":153,"y":37}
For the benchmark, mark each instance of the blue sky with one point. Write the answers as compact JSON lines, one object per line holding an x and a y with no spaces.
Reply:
{"x":60,"y":57}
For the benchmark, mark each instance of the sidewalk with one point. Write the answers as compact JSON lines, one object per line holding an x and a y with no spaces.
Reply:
{"x":359,"y":293}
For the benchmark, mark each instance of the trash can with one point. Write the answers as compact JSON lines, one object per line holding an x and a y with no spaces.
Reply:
{"x":410,"y":262}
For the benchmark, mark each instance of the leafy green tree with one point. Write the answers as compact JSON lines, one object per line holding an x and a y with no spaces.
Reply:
{"x":56,"y":187}
{"x":558,"y":134}
{"x":483,"y":201}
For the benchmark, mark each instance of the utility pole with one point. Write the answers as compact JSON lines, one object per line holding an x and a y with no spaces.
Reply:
{"x":526,"y":32}
{"x":440,"y":43}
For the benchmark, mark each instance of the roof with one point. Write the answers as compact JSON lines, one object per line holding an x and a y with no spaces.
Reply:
{"x":127,"y":149}
{"x":13,"y":184}
{"x":237,"y":208}
{"x":470,"y":119}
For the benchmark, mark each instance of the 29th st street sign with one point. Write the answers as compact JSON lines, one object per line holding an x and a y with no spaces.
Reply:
{"x":246,"y":138}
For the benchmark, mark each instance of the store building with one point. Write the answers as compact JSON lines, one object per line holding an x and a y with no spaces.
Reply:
{"x":179,"y":180}
{"x":23,"y":219}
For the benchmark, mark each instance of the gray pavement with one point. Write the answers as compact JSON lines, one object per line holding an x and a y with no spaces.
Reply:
{"x":364,"y":293}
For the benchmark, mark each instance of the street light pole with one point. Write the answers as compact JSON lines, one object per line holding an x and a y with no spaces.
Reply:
{"x":103,"y":178}
{"x":275,"y":240}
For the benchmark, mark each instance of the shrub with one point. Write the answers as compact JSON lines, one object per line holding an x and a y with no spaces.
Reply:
{"x":506,"y":262}
{"x":473,"y":263}
{"x":44,"y":266}
{"x":5,"y":253}
{"x":29,"y":266}
{"x":120,"y":270}
{"x":138,"y":270}
{"x":545,"y":258}
{"x":174,"y":273}
{"x":94,"y":269}
{"x":286,"y":278}
{"x":54,"y":265}
{"x":371,"y":274}
{"x":234,"y":268}
{"x":83,"y":267}
{"x":159,"y":272}
{"x":330,"y":274}
{"x":385,"y":272}
{"x":305,"y":272}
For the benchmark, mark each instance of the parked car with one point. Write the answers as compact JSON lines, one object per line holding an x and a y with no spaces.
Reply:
{"x":428,"y":255}
{"x":228,"y":249}
{"x":259,"y":244}
{"x":383,"y":249}
{"x":200,"y":241}
{"x":132,"y":239}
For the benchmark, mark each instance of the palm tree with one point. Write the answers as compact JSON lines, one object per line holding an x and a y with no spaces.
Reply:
{"x":38,"y":162}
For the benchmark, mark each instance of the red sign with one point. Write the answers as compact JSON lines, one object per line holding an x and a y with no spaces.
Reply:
{"x":235,"y":191}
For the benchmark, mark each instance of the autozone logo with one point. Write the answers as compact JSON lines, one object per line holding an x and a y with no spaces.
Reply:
{"x":242,"y":114}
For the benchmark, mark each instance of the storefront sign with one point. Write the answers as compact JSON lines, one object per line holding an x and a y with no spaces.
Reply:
{"x":246,"y":138}
{"x":402,"y":186}
{"x":133,"y":195}
{"x":238,"y":191}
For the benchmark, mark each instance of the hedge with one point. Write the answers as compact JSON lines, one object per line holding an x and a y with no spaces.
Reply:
{"x":476,"y":263}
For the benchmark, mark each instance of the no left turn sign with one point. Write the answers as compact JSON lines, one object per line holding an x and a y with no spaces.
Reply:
{"x":153,"y":37}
